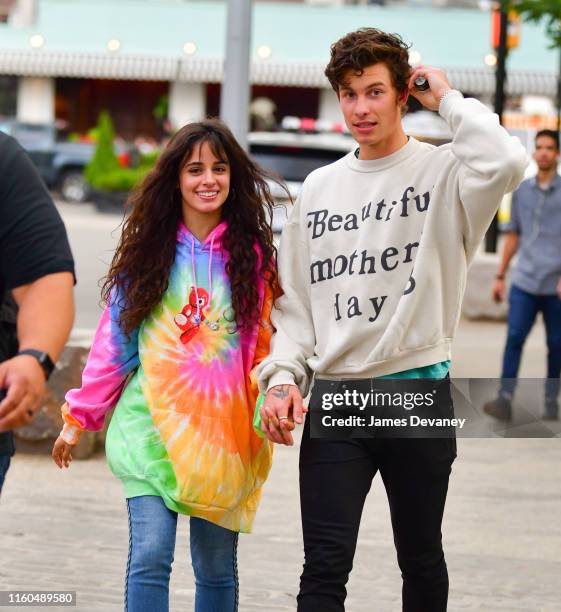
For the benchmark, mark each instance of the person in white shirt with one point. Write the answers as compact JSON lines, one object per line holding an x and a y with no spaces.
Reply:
{"x":373,"y":264}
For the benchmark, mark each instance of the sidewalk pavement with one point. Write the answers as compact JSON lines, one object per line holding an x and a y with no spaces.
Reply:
{"x":502,"y":533}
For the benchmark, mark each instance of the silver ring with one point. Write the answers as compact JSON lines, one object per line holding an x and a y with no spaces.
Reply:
{"x":283,"y":418}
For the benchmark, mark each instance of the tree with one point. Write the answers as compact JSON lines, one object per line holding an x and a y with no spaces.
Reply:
{"x":537,"y":11}
{"x":550,"y":12}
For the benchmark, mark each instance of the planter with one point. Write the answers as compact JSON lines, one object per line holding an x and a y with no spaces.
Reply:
{"x":109,"y":201}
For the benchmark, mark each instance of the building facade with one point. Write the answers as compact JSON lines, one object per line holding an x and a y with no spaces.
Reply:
{"x":148,"y":60}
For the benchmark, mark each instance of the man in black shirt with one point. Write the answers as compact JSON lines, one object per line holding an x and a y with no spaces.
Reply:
{"x":36,"y":301}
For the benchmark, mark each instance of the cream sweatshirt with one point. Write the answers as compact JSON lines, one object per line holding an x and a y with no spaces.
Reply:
{"x":373,"y":259}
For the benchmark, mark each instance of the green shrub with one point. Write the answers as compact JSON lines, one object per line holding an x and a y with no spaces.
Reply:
{"x":160,"y":111}
{"x":104,"y":172}
{"x":93,"y":134}
{"x":121,"y":179}
{"x":148,"y":160}
{"x":104,"y":161}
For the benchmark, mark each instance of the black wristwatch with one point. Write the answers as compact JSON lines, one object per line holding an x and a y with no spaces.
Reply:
{"x":43,"y":358}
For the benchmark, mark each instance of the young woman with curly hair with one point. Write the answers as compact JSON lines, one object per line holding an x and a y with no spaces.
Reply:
{"x":188,"y":297}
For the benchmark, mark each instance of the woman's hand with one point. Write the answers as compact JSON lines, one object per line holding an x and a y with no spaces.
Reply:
{"x":62,"y":453}
{"x":281,"y":411}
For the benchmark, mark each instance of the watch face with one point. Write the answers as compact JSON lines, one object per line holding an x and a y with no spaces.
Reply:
{"x":46,"y":362}
{"x":43,"y":359}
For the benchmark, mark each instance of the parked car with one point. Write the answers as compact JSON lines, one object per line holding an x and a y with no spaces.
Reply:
{"x":61,"y":163}
{"x":291,"y":156}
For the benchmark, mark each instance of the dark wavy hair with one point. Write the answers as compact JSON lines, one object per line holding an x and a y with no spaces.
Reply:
{"x":141,"y":266}
{"x":550,"y":134}
{"x":358,"y":50}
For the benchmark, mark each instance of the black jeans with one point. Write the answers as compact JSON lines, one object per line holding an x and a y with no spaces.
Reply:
{"x":335,"y":477}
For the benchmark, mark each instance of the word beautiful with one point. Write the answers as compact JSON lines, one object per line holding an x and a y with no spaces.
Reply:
{"x":322,"y":223}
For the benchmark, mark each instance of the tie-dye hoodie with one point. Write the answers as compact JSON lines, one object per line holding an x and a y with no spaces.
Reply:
{"x":184,"y":392}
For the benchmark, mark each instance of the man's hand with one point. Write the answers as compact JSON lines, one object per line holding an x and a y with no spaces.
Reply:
{"x":62,"y":453}
{"x":24,"y":380}
{"x":282,"y":408}
{"x":438,"y":82}
{"x":499,"y":291}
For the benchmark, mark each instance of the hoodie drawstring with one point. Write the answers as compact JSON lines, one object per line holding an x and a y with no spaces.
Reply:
{"x":210,"y":269}
{"x":195,"y":274}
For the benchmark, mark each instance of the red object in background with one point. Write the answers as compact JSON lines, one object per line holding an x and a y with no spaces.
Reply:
{"x":495,"y":28}
{"x":512,"y":31}
{"x":307,"y":124}
{"x":124,"y":159}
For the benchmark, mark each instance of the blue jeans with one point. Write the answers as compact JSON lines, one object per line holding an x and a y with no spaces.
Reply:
{"x":152,"y":529}
{"x":523,"y":309}
{"x":4,"y":465}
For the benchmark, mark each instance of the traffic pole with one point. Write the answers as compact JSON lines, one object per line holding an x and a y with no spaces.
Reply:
{"x":235,"y":92}
{"x":559,"y":95}
{"x":500,"y":79}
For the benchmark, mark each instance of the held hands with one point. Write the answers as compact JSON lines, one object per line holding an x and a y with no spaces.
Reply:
{"x":24,"y":380}
{"x":499,"y":291}
{"x":62,"y":453}
{"x":281,"y":411}
{"x":438,"y":83}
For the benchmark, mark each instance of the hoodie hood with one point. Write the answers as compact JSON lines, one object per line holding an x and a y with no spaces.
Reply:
{"x":214,"y":239}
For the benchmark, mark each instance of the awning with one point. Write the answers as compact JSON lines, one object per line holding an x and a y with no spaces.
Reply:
{"x":482,"y":81}
{"x":478,"y":81}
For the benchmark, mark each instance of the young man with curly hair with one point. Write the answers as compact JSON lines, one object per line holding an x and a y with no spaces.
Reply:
{"x":373,"y":264}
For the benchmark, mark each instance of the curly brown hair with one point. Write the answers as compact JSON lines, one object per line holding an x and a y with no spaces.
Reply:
{"x":141,"y":266}
{"x":367,"y":46}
